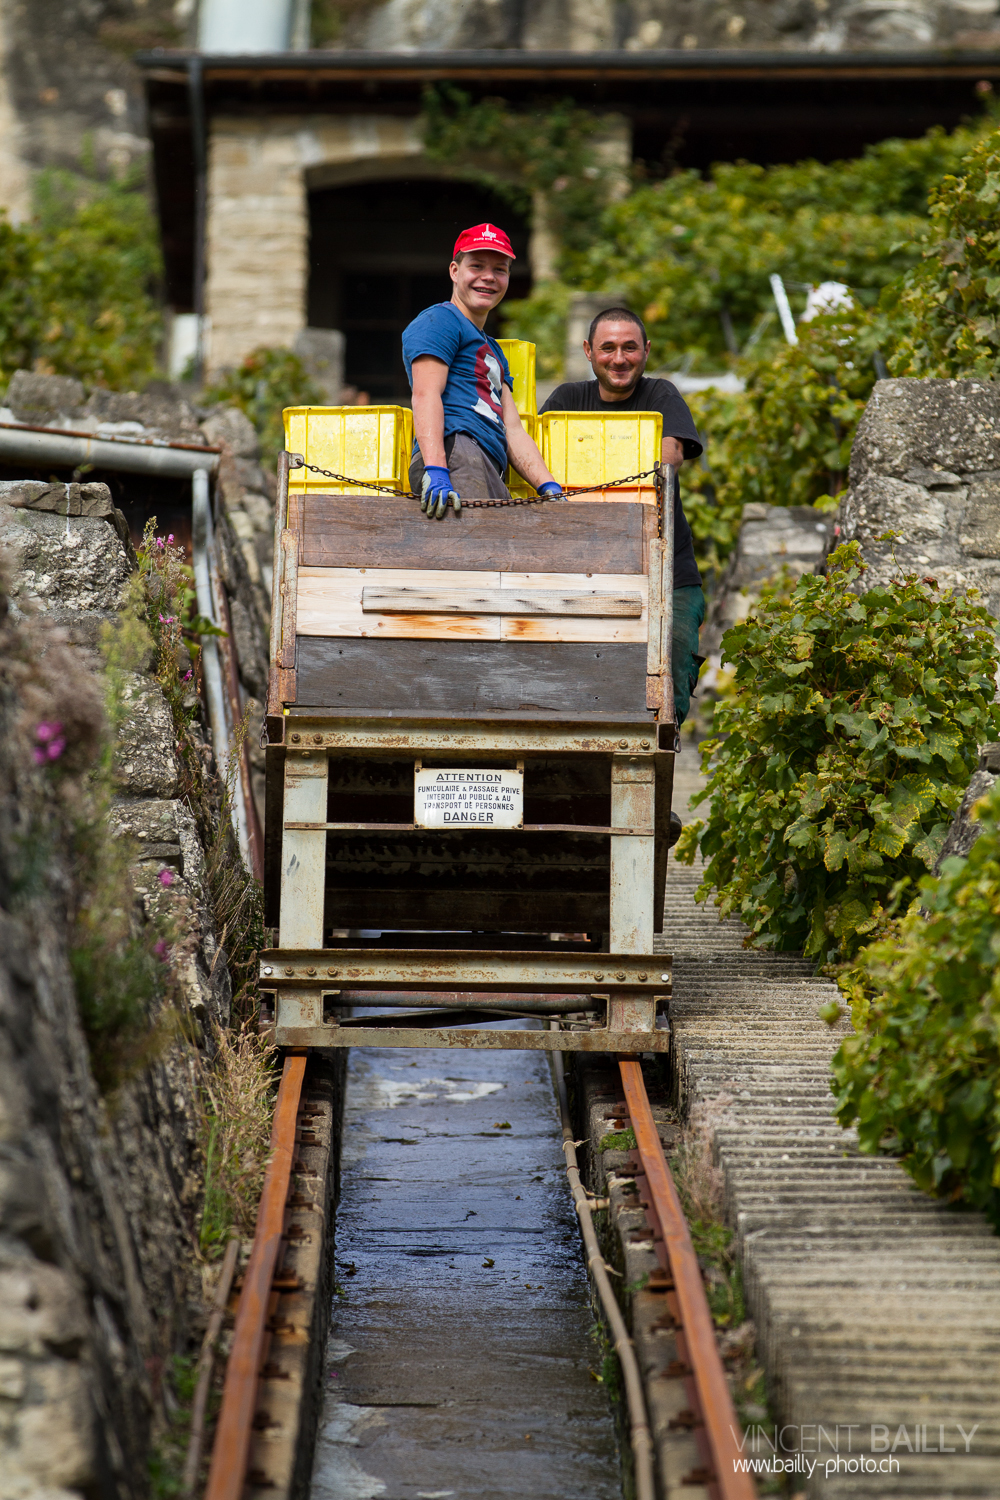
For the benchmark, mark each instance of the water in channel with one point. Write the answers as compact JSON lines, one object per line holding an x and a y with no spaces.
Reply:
{"x":460,"y":1360}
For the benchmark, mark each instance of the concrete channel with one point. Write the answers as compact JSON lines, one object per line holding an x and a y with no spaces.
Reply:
{"x":461,"y":1361}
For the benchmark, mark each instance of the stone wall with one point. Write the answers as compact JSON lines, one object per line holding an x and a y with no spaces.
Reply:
{"x":245,"y":494}
{"x":589,"y":25}
{"x":926,"y":464}
{"x":98,"y":1195}
{"x":70,"y":94}
{"x":99,"y":1283}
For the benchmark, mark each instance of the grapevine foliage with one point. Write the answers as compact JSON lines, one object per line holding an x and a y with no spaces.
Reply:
{"x":838,"y":762}
{"x":920,"y":1078}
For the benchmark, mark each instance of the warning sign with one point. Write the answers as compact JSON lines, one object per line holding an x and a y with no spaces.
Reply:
{"x":443,"y":799}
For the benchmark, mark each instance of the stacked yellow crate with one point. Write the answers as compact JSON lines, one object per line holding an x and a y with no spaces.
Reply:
{"x":592,"y":448}
{"x":370,"y":444}
{"x":520,"y":358}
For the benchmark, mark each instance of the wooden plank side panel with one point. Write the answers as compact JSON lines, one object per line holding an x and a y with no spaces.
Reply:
{"x":498,"y":602}
{"x":345,"y":531}
{"x":467,"y":677}
{"x":331,"y":603}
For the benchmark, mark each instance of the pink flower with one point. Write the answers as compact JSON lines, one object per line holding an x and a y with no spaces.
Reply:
{"x":170,"y":540}
{"x":166,"y":878}
{"x":160,"y":543}
{"x":168,"y":619}
{"x":161,"y":949}
{"x":51,"y":743}
{"x":187,"y":675}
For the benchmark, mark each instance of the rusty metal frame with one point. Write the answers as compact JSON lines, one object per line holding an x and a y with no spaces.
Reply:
{"x":487,"y":970}
{"x":634,"y":983}
{"x":520,"y":734}
{"x":474,"y":1038}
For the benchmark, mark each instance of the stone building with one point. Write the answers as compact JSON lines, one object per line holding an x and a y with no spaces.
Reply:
{"x":322,"y":209}
{"x":290,"y":175}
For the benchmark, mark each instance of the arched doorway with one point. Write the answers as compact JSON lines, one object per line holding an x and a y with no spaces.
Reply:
{"x":379,"y":254}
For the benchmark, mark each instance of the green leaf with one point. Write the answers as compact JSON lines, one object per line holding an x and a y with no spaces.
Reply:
{"x":888,"y":838}
{"x":835,"y":851}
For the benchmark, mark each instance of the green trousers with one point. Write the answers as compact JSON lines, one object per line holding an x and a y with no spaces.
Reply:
{"x":689,"y":612}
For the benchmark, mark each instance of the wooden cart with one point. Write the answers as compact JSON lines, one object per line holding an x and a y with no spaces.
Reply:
{"x":510,"y":648}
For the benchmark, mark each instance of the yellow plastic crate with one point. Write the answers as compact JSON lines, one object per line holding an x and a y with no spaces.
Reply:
{"x":518,"y":486}
{"x":591,"y":448}
{"x":370,"y":444}
{"x":521,"y":361}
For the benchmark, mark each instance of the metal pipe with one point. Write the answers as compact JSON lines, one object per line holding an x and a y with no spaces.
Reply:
{"x":641,"y":1438}
{"x":469,"y":1000}
{"x":784,"y":310}
{"x":20,"y":443}
{"x":201,"y":538}
{"x":206,"y":1364}
{"x":231,"y":1449}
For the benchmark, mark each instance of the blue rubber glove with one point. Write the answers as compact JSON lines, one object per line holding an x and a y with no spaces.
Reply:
{"x":553,"y":490}
{"x":436,"y":491}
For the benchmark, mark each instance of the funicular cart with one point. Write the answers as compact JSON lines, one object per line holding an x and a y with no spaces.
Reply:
{"x":470,"y":744}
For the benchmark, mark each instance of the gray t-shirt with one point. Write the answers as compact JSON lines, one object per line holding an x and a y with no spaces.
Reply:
{"x":649,"y":395}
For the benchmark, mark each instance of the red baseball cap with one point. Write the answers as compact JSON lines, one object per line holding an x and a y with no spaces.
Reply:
{"x":484,"y":237}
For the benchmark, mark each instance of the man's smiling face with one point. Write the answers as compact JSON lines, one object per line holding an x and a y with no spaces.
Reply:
{"x":618,"y":355}
{"x":481,"y":278}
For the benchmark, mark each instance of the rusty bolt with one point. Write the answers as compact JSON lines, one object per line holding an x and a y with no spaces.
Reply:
{"x":642,"y":977}
{"x":644,"y":744}
{"x":620,"y":976}
{"x":296,"y":738}
{"x":311,"y":973}
{"x":598,"y":976}
{"x":623,"y":744}
{"x":290,"y":972}
{"x":317,"y":739}
{"x":333,"y":973}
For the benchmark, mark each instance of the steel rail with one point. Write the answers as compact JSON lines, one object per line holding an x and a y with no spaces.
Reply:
{"x":711,"y":1385}
{"x":231,"y":1449}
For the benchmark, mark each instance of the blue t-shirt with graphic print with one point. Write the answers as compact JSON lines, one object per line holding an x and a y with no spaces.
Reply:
{"x":477,"y":372}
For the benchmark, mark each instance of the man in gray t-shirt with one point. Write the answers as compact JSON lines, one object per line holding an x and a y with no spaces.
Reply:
{"x":618,"y":349}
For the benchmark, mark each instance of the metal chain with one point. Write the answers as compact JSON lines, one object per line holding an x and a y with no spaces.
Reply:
{"x":384,"y":489}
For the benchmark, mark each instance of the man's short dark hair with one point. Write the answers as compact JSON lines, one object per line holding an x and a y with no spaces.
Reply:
{"x":617,"y":315}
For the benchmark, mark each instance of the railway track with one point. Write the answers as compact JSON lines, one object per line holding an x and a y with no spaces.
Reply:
{"x":264,"y":1424}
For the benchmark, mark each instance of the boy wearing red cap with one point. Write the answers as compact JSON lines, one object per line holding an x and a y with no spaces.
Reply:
{"x":465,"y":422}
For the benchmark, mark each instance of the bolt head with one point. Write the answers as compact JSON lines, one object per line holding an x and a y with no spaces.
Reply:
{"x":333,"y":973}
{"x":644,"y":744}
{"x":665,"y":978}
{"x":643,"y":976}
{"x":623,"y":744}
{"x":290,"y":973}
{"x":620,"y":976}
{"x":268,"y":971}
{"x":311,"y":972}
{"x":317,"y":739}
{"x":296,"y":738}
{"x":598,"y":976}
